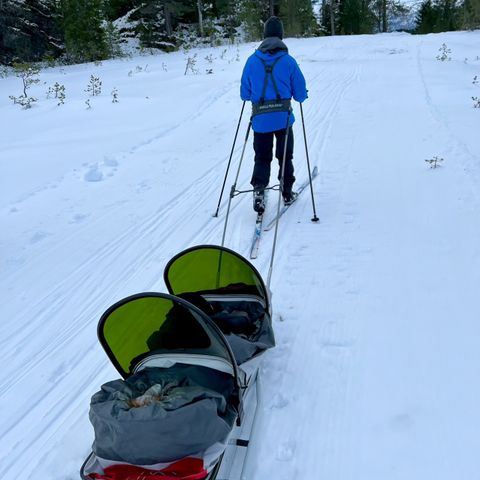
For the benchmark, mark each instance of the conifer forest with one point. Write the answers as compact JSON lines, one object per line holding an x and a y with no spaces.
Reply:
{"x":74,"y":31}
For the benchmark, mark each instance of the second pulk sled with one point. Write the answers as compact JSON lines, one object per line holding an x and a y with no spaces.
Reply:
{"x":186,"y":405}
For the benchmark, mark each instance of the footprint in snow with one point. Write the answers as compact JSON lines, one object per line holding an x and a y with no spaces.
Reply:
{"x":78,"y":218}
{"x":97,"y":173}
{"x":286,"y":451}
{"x":143,"y":187}
{"x":279,"y":401}
{"x":93,"y":174}
{"x":110,"y":162}
{"x":38,"y":237}
{"x":402,"y":421}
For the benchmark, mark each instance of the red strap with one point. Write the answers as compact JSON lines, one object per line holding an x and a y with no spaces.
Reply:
{"x":185,"y":469}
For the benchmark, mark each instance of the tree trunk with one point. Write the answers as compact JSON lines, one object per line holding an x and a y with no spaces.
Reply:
{"x":168,"y":21}
{"x":200,"y":17}
{"x":384,"y":16}
{"x":332,"y":17}
{"x":272,"y":11}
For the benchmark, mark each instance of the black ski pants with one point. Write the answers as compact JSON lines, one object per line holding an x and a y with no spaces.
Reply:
{"x":263,"y":146}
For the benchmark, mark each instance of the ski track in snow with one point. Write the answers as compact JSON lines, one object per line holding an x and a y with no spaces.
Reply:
{"x":20,"y":344}
{"x":333,"y":408}
{"x":159,"y":226}
{"x":457,"y":148}
{"x":325,"y":354}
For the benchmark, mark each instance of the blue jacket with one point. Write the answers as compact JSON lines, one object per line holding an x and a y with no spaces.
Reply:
{"x":288,"y":77}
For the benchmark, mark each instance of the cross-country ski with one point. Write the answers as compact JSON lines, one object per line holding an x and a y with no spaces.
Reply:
{"x":284,"y":208}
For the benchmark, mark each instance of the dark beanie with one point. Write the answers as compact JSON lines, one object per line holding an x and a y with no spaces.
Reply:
{"x":273,"y":28}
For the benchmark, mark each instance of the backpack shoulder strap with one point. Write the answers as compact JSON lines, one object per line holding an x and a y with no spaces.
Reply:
{"x":269,"y":72}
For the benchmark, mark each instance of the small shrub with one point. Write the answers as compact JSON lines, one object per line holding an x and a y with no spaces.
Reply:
{"x":24,"y":101}
{"x":94,"y":87}
{"x":4,"y":72}
{"x":138,"y":69}
{"x":444,"y":54}
{"x":191,"y":65}
{"x":58,"y":92}
{"x":434,"y":162}
{"x":114,"y":95}
{"x":476,"y":102}
{"x":28,"y":73}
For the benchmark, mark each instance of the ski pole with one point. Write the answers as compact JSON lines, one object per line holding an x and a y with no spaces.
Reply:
{"x":234,"y":186}
{"x":282,"y":174}
{"x":229,"y":161}
{"x":315,"y":218}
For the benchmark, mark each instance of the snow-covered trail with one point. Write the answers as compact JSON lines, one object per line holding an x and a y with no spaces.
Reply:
{"x":377,"y":353}
{"x":374,"y":307}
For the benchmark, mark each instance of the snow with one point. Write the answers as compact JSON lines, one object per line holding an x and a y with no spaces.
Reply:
{"x":375,"y":308}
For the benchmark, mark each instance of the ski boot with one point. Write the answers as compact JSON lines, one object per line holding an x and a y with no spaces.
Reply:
{"x":259,"y":200}
{"x":289,"y":198}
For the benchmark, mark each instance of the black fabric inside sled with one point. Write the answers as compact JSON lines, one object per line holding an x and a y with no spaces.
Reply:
{"x":243,"y":321}
{"x":210,"y":267}
{"x":246,"y":326}
{"x":192,"y":412}
{"x":179,"y":330}
{"x":134,"y":327}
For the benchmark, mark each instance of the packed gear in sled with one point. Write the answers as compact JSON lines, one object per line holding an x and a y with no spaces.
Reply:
{"x":233,"y":291}
{"x":173,"y":412}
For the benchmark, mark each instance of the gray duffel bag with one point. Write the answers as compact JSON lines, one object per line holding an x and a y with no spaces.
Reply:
{"x":162,"y":415}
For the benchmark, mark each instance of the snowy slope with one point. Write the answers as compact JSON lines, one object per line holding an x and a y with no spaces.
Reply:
{"x":376,"y":308}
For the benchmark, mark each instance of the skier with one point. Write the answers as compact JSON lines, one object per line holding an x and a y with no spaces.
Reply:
{"x":270,"y":78}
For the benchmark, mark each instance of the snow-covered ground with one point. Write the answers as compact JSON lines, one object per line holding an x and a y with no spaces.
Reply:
{"x":376,"y":308}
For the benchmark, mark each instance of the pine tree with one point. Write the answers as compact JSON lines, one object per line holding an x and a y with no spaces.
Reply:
{"x":85,"y":38}
{"x":379,"y":10}
{"x":115,"y":9}
{"x":226,"y":12}
{"x":426,"y":17}
{"x":252,"y":14}
{"x":152,"y":27}
{"x":158,"y":19}
{"x":449,"y":16}
{"x":356,"y":17}
{"x":29,"y":30}
{"x":471,"y":14}
{"x":438,"y":16}
{"x":9,"y":37}
{"x":298,"y":17}
{"x":329,"y":16}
